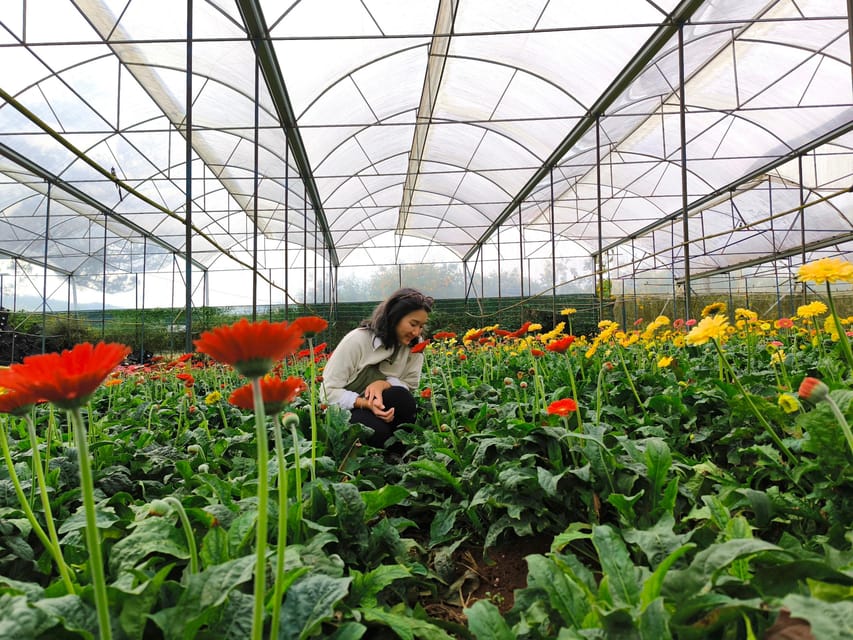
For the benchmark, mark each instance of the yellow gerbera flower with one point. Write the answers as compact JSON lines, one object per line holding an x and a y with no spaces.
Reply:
{"x":826,"y":270}
{"x":568,"y":311}
{"x":745,"y":314}
{"x":788,"y":403}
{"x":811,"y":310}
{"x":710,"y":328}
{"x":665,"y":361}
{"x":713,"y":309}
{"x":212,"y":398}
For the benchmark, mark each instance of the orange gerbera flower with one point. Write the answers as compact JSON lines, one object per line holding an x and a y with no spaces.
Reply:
{"x":562,"y":407}
{"x":562,"y":345}
{"x":310,"y":325}
{"x":16,"y":403}
{"x":251,"y":347}
{"x":275,"y":392}
{"x":66,"y":379}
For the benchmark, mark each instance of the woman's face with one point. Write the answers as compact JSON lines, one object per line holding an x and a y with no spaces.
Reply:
{"x":411,"y":325}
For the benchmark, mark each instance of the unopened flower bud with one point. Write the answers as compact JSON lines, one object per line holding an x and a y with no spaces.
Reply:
{"x":158,"y":508}
{"x":194,"y":449}
{"x":204,"y":468}
{"x":813,"y":390}
{"x":289,"y":419}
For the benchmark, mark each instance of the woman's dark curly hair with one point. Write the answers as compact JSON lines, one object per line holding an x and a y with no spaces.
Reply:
{"x":388,"y":314}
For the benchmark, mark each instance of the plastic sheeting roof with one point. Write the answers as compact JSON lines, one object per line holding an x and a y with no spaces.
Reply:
{"x":374,"y":124}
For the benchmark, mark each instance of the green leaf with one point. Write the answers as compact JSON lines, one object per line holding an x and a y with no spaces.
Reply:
{"x":19,"y":620}
{"x":348,"y":631}
{"x":565,"y":592}
{"x":214,"y":547}
{"x":437,"y":471}
{"x":575,"y":531}
{"x":828,"y":620}
{"x":309,"y":602}
{"x":105,"y":517}
{"x":74,"y":614}
{"x":235,"y":622}
{"x":206,"y":591}
{"x":367,"y":586}
{"x":658,"y":459}
{"x":654,"y":621}
{"x":406,"y":626}
{"x":657,"y":542}
{"x":151,"y":536}
{"x":387,"y":496}
{"x":652,"y":586}
{"x":486,"y":623}
{"x":617,"y":566}
{"x":625,"y":504}
{"x":142,"y":598}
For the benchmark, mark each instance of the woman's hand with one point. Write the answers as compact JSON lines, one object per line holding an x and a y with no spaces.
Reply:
{"x":373,"y":395}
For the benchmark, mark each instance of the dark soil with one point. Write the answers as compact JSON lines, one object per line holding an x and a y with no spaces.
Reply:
{"x":494,"y":575}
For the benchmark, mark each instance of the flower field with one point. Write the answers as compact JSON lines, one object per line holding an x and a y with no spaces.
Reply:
{"x":691,"y":476}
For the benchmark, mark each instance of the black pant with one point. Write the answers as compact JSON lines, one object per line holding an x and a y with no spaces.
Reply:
{"x":404,"y":412}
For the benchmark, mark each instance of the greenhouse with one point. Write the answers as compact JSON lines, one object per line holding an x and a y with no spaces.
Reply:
{"x":629,"y":228}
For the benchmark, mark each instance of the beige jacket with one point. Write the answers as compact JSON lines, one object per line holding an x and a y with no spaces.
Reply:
{"x":358,"y":349}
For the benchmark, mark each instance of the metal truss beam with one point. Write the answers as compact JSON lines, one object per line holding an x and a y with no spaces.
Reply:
{"x":635,"y":67}
{"x":256,"y":26}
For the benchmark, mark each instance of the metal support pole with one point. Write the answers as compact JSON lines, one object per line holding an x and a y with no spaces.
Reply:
{"x":682,"y":121}
{"x":804,"y":287}
{"x":255,"y":194}
{"x":104,"y":284}
{"x":520,"y":254}
{"x":188,"y":240}
{"x":600,"y":266}
{"x":553,"y":256}
{"x":286,"y":230}
{"x":44,"y":274}
{"x":142,"y":311}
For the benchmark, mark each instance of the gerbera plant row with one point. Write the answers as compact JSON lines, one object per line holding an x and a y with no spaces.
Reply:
{"x":678,"y":478}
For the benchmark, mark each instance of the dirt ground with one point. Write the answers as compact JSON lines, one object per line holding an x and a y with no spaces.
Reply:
{"x":493,"y":577}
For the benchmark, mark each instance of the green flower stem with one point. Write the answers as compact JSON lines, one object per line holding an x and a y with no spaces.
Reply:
{"x":630,"y":381}
{"x":188,"y":531}
{"x":281,"y":549}
{"x":45,"y":503}
{"x":447,"y":395}
{"x":842,"y":421}
{"x":312,"y":408}
{"x":574,"y":385}
{"x":298,"y":471}
{"x":261,"y":527}
{"x":53,"y":548}
{"x":842,"y":333}
{"x":598,"y":395}
{"x":93,"y":536}
{"x":761,"y":419}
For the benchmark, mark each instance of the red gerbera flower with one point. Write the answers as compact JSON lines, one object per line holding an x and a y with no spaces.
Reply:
{"x":785,"y":323}
{"x":187,"y":379}
{"x":420,"y":346}
{"x":17,"y":403}
{"x":310,"y":325}
{"x":426,"y":393}
{"x":251,"y":347}
{"x":444,"y":335}
{"x":275,"y":392}
{"x":562,"y":407}
{"x":562,"y":345}
{"x":537,"y":353}
{"x":66,"y":379}
{"x":521,"y":330}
